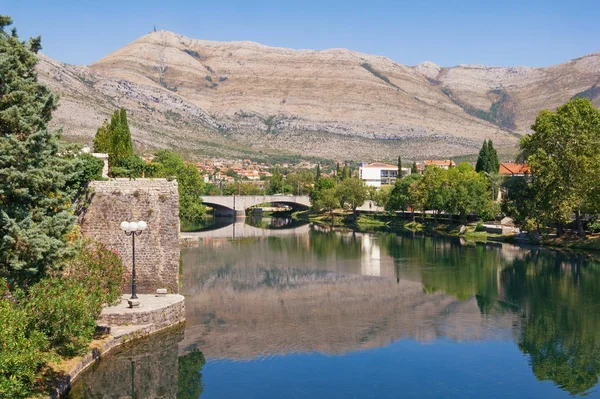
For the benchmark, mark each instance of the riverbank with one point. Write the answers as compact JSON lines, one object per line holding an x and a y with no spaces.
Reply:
{"x":117,"y":325}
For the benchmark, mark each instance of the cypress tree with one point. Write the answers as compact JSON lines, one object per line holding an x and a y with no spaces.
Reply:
{"x":318,"y":173}
{"x":114,"y":138}
{"x":493,"y":161}
{"x":483,"y":159}
{"x":399,"y":167}
{"x":414,"y":168}
{"x":337,"y":171}
{"x":35,"y":197}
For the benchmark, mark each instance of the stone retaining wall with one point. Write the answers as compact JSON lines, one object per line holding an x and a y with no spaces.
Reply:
{"x":156,"y":201}
{"x":160,"y":316}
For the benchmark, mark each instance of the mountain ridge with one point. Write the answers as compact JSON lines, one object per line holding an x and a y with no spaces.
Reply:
{"x":228,"y":99}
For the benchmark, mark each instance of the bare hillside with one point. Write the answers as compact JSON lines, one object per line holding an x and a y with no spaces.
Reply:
{"x":237,"y":98}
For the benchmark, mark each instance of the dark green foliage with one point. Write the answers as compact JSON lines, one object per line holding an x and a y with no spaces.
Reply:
{"x":487,"y":160}
{"x":89,"y":168}
{"x":114,"y":138}
{"x":400,"y":198}
{"x":318,"y":173}
{"x":189,"y":378}
{"x":133,"y":167}
{"x":399,"y":167}
{"x":208,"y":78}
{"x":35,"y":200}
{"x":414,"y":169}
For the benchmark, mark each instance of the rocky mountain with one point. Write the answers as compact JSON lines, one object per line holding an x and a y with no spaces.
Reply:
{"x":232,"y":99}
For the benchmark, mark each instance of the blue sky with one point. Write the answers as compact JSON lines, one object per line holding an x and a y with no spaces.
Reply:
{"x":535,"y":33}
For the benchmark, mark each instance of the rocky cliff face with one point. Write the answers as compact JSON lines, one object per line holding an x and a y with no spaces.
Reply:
{"x":236,"y":98}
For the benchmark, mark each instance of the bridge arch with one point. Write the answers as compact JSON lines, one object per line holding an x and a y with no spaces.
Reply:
{"x":236,"y":205}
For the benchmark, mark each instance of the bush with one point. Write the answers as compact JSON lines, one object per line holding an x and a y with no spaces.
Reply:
{"x":100,"y":270}
{"x":63,"y":311}
{"x":479,"y":226}
{"x":22,"y":353}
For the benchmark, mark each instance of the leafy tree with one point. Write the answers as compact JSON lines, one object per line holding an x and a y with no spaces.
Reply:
{"x":35,"y":196}
{"x":189,"y":376}
{"x":275,"y":183}
{"x":190,"y":185}
{"x":353,"y":192}
{"x":133,"y":167}
{"x":239,"y":188}
{"x":434,"y":190}
{"x":327,"y":200}
{"x":322,"y":184}
{"x":414,"y":169}
{"x":400,"y":198}
{"x":564,"y":156}
{"x":301,"y":182}
{"x":467,"y":191}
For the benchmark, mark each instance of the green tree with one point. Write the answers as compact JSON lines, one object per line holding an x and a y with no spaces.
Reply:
{"x":352,"y":192}
{"x":400,"y":198}
{"x":467,"y":191}
{"x":327,"y":200}
{"x":114,"y":138}
{"x":35,"y":198}
{"x":414,"y":169}
{"x":434,"y":190}
{"x":564,"y":156}
{"x":399,"y":167}
{"x":318,"y":173}
{"x":487,"y":160}
{"x":301,"y":182}
{"x":190,"y":183}
{"x":322,"y":184}
{"x":275,"y":183}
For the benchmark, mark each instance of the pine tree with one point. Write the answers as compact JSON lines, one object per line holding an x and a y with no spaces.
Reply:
{"x":35,"y":199}
{"x":318,"y":173}
{"x":483,"y":158}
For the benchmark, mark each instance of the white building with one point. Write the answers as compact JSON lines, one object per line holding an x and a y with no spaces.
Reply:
{"x":378,"y":174}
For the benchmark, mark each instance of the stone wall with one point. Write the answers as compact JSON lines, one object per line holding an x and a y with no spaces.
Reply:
{"x":156,"y":201}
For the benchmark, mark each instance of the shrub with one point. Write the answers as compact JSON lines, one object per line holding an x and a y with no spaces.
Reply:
{"x":479,"y":226}
{"x":100,"y":270}
{"x":22,"y":353}
{"x":64,"y":312}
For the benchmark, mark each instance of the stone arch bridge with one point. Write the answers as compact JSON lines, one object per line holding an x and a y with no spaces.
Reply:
{"x":236,"y":205}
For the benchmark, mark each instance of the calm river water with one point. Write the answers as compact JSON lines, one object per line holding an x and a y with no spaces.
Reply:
{"x":299,"y":311}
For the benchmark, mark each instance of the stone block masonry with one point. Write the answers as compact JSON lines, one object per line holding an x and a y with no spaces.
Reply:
{"x":156,"y":201}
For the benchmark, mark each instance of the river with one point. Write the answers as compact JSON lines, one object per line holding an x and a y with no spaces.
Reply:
{"x":301,"y":311}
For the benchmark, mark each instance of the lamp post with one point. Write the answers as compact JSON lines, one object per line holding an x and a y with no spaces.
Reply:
{"x":133,"y":229}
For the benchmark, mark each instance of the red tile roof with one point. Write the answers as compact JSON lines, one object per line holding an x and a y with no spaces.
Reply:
{"x":514,"y":169}
{"x":381,"y":165}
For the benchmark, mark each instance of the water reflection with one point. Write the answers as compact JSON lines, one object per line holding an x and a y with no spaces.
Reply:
{"x":324,"y":313}
{"x":339,"y":292}
{"x":149,"y":368}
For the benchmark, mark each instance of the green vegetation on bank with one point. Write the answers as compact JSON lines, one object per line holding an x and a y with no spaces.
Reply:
{"x":52,"y":283}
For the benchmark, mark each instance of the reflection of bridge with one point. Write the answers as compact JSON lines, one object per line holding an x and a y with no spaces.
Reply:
{"x":230,"y":205}
{"x":241,"y":229}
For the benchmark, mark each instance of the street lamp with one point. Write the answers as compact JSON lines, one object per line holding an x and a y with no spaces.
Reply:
{"x":133,"y":229}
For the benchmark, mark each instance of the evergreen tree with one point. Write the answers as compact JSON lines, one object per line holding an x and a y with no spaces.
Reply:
{"x":399,"y":167}
{"x":35,"y":198}
{"x":493,"y":161}
{"x":345,"y":172}
{"x":318,"y":173}
{"x":114,"y":138}
{"x":337,"y":171}
{"x":483,"y":158}
{"x":414,"y":168}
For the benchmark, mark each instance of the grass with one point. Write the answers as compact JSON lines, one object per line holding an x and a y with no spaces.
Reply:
{"x":591,"y":243}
